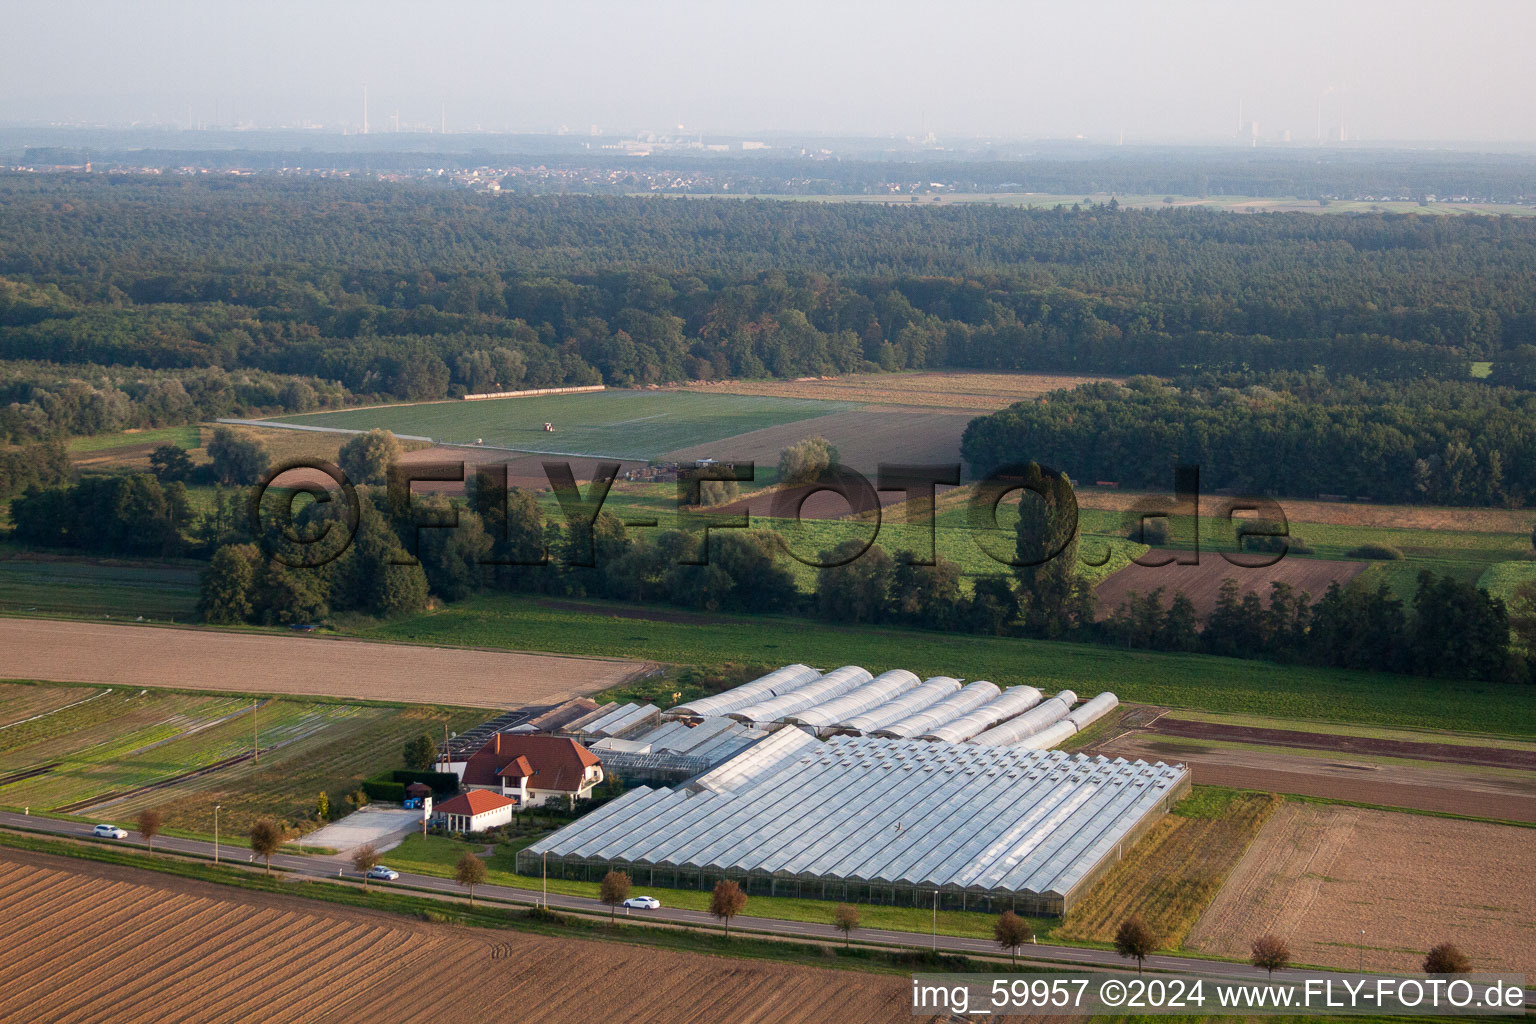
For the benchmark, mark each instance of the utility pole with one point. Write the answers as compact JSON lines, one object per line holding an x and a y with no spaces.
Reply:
{"x":255,"y":735}
{"x":935,"y":920}
{"x":545,"y":858}
{"x":215,"y":833}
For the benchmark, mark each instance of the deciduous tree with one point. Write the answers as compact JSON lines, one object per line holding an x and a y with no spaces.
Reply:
{"x":614,"y":890}
{"x":148,"y":825}
{"x":1270,"y":953}
{"x":267,"y":838}
{"x":845,"y":918}
{"x":727,"y":901}
{"x":470,"y":871}
{"x":1135,"y":940}
{"x":1011,"y":931}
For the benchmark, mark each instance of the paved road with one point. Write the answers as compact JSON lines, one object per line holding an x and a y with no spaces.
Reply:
{"x":329,"y":867}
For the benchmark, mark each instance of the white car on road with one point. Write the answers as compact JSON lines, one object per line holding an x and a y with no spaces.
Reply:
{"x":109,"y":832}
{"x":382,"y":873}
{"x":642,"y":903}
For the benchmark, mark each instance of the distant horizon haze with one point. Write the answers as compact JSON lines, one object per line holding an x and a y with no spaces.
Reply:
{"x":1374,"y":71}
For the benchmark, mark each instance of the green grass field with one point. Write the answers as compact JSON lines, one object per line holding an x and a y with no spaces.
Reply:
{"x":620,"y":424}
{"x":1199,"y":682}
{"x":182,"y":437}
{"x":82,"y":587}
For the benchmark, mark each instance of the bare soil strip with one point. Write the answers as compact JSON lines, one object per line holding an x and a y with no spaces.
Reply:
{"x":1494,"y":757}
{"x":191,"y":659}
{"x":85,"y":941}
{"x":1428,"y":786}
{"x":1320,"y":876}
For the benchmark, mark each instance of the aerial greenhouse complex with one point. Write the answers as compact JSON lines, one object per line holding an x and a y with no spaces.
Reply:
{"x":885,"y":788}
{"x":878,"y":820}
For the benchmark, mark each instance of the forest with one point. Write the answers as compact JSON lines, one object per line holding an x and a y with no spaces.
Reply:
{"x":131,"y":301}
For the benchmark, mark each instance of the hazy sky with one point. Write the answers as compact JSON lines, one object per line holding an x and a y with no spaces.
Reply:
{"x":1403,"y":69}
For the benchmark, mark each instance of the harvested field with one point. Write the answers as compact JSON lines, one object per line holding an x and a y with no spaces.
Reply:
{"x":864,"y":439}
{"x":1501,"y":793}
{"x":88,"y":652}
{"x":1172,"y":873}
{"x":980,"y":392}
{"x":80,"y":937}
{"x":1317,"y":875}
{"x":1202,"y":583}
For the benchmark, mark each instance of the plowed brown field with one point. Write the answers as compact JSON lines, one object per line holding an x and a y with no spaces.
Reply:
{"x":981,"y":392}
{"x":189,"y":659}
{"x":1318,"y":875}
{"x":1201,"y":583}
{"x":87,"y":942}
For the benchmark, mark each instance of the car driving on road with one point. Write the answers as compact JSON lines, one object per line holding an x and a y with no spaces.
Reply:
{"x":383,"y":873}
{"x":109,"y":832}
{"x":642,"y":903}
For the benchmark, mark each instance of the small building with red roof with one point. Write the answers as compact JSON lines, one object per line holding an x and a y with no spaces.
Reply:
{"x":474,"y":811}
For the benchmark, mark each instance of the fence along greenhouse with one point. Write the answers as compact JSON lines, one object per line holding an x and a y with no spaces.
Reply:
{"x":878,"y":820}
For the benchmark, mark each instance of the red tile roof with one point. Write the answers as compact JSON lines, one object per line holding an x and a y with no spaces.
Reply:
{"x":554,"y":762}
{"x":476,"y":801}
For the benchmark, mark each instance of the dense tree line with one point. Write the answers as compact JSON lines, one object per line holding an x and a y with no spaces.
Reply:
{"x":141,"y":302}
{"x":1440,"y":442}
{"x":1453,"y":630}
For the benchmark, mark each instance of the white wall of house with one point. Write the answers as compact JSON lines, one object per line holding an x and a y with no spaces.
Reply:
{"x":479,"y":822}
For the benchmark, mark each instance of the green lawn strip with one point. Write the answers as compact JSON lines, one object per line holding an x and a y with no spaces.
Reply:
{"x":449,"y":909}
{"x":437,"y":855}
{"x":1201,"y":682}
{"x":181,"y":437}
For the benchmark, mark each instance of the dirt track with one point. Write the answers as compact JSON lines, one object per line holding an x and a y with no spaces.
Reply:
{"x":84,"y":941}
{"x":1317,"y":876}
{"x":91,"y":652}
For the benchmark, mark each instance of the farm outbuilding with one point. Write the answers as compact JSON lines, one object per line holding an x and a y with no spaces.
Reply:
{"x":877,"y":820}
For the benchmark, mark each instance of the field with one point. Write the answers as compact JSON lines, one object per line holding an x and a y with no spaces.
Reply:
{"x":98,"y":751}
{"x":1202,"y":583}
{"x":265,"y":663}
{"x":110,"y":588}
{"x":975,"y":392}
{"x":1436,"y":786}
{"x":1170,"y":876}
{"x":1504,"y":578}
{"x":80,"y":937}
{"x":1318,"y":876}
{"x":620,"y":424}
{"x":1193,"y":681}
{"x":864,"y":439}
